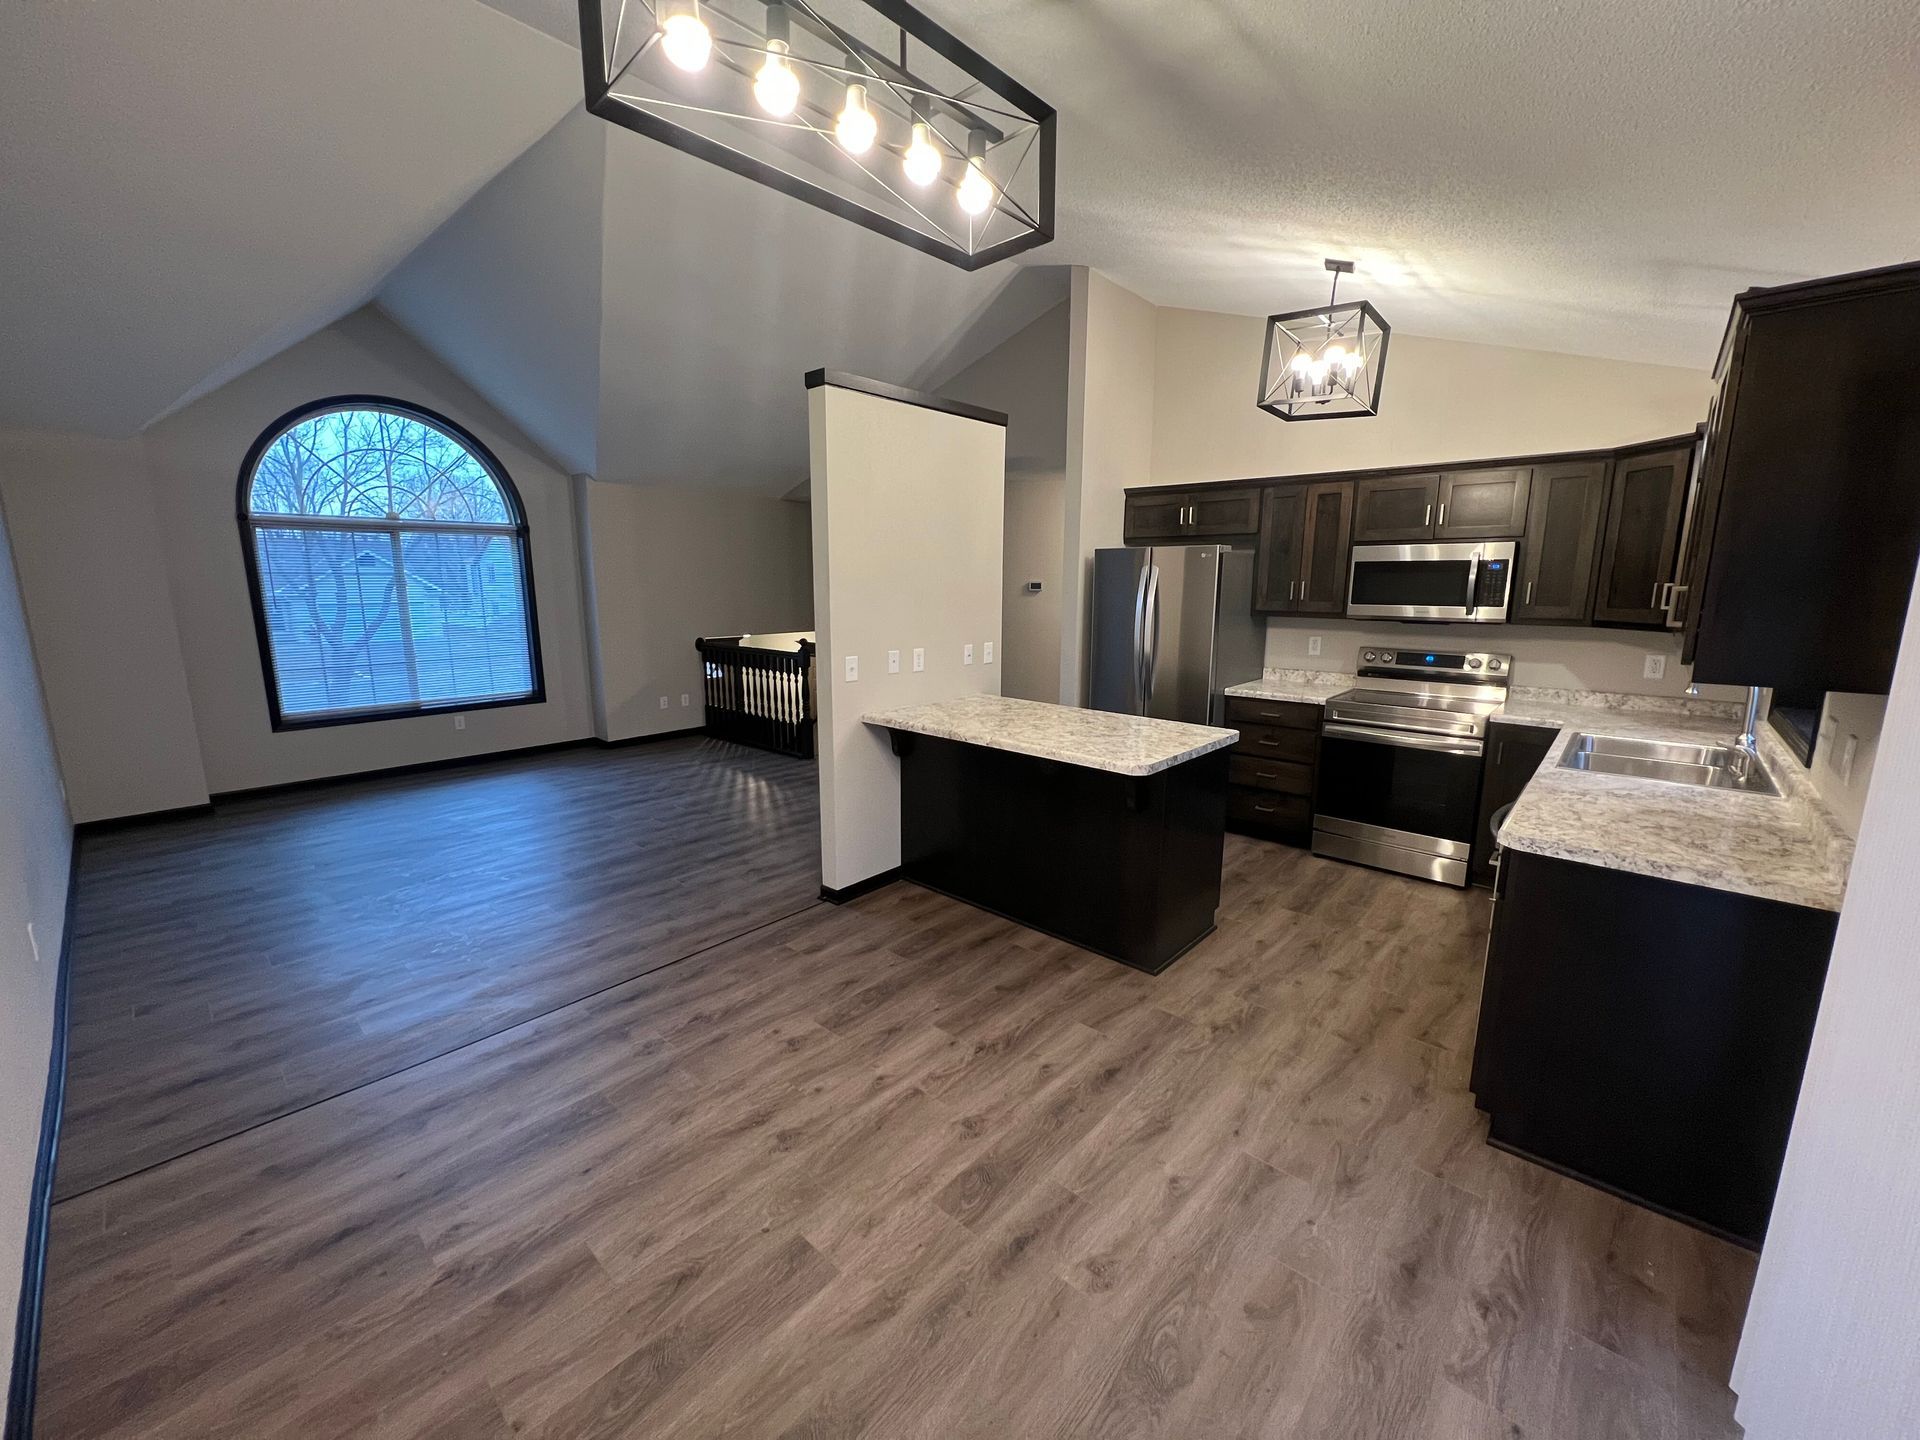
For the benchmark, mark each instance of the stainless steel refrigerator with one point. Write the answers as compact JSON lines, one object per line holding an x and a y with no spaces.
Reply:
{"x":1173,"y":627}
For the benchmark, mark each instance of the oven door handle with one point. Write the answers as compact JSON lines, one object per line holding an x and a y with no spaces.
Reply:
{"x":1404,"y":739}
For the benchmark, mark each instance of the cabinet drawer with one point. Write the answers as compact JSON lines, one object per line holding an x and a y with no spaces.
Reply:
{"x":1284,"y":777}
{"x":1274,"y":742}
{"x":1261,"y":812}
{"x":1289,"y":713}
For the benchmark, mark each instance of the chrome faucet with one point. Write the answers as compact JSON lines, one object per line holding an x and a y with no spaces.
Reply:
{"x":1746,"y":756}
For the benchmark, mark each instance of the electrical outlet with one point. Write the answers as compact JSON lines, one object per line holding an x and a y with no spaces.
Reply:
{"x":459,"y":722}
{"x":893,"y":662}
{"x":663,"y":702}
{"x":853,"y":667}
{"x":1655,"y":668}
{"x":986,"y":653}
{"x":1313,"y":644}
{"x":966,"y":655}
{"x":685,"y":701}
{"x":33,"y":942}
{"x":919,"y":660}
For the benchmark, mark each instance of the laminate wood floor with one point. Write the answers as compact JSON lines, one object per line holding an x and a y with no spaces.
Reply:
{"x":903,"y":1169}
{"x":234,"y":967}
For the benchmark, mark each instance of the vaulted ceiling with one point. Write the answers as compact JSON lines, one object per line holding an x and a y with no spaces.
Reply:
{"x":189,"y":186}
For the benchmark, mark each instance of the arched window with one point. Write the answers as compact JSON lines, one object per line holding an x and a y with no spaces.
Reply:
{"x":387,"y":555}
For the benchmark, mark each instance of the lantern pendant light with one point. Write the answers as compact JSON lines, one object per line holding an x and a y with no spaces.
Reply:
{"x":1326,"y":363}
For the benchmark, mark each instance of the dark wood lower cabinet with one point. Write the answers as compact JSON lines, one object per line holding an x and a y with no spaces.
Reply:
{"x":1270,"y":790}
{"x":1648,"y":1037}
{"x":1514,"y":752}
{"x":1127,"y":867}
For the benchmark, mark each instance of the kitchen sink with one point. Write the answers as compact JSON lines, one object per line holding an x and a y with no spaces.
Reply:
{"x":1713,"y":767}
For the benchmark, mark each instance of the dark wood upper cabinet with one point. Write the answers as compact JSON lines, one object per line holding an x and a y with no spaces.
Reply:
{"x":1810,"y":489}
{"x":1281,"y":549}
{"x":1394,"y":507}
{"x":1557,"y":557}
{"x":1191,"y":514}
{"x":1301,"y":561}
{"x":1647,"y":494}
{"x":1482,"y":504}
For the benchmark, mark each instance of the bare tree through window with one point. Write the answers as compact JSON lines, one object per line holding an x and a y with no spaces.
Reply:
{"x":391,"y":565}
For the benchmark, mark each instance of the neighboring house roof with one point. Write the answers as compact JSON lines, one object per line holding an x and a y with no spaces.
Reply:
{"x":364,"y":560}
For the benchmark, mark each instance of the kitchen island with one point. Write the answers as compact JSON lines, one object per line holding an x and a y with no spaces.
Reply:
{"x":1105,"y":830}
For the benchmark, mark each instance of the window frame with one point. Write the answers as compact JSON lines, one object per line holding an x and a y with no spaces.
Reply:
{"x":249,"y":523}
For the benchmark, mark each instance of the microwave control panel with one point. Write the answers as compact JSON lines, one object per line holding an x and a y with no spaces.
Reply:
{"x":1490,"y":588}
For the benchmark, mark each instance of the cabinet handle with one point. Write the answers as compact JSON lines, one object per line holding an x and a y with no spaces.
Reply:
{"x":1264,"y":809}
{"x":1529,"y":599}
{"x":1653,"y":600}
{"x":1666,"y":597}
{"x":1429,"y":519}
{"x":1266,"y":775}
{"x":1443,"y":514}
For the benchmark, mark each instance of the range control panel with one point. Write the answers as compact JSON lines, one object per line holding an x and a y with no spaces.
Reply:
{"x":1441,"y":664}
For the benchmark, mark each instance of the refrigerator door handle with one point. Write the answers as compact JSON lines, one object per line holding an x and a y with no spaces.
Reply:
{"x":1153,"y":635}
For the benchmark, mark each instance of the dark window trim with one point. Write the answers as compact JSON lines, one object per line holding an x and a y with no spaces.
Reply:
{"x":243,"y":510}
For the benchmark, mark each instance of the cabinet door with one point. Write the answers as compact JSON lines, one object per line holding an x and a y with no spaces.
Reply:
{"x":1213,"y":513}
{"x":1563,"y":537}
{"x":1482,"y":504}
{"x":1329,"y":537}
{"x":1398,"y":507}
{"x":1514,"y":752}
{"x":1156,"y":515}
{"x":1642,"y":534}
{"x":1279,"y":553}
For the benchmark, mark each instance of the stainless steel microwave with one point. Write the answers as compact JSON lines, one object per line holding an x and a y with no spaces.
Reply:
{"x":1466,"y":581}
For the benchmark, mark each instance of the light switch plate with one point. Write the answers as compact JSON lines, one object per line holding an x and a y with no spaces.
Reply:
{"x":686,"y":700}
{"x":1849,"y":752}
{"x":919,"y":660}
{"x":1313,"y":644}
{"x":663,"y":702}
{"x":986,"y":653}
{"x":893,"y":662}
{"x":853,"y":667}
{"x":966,"y":655}
{"x":1655,"y":668}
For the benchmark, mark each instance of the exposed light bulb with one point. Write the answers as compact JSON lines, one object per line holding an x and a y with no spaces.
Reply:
{"x":1301,"y":360}
{"x":1317,"y":372}
{"x":1336,"y":356}
{"x":686,"y":39}
{"x":777,"y":88}
{"x":976,"y":190}
{"x":922,"y":160}
{"x":856,"y":126}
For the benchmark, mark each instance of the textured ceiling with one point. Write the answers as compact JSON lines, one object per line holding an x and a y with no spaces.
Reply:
{"x":187,"y":187}
{"x":1594,"y":178}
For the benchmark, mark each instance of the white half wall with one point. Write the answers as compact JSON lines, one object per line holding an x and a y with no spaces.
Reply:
{"x":86,"y":538}
{"x":1832,"y":1339}
{"x":907,"y":516}
{"x":667,"y":566}
{"x":36,"y":847}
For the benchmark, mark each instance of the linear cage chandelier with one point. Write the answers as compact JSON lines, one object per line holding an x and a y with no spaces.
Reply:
{"x":865,"y":108}
{"x":1325,"y":363}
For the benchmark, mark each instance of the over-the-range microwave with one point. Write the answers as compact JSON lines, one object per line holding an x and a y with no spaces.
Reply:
{"x":1466,"y":581}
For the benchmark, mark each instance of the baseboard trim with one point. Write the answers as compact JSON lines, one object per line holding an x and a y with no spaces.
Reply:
{"x":22,"y":1385}
{"x":690,"y":731}
{"x":859,"y":887}
{"x":145,"y":817}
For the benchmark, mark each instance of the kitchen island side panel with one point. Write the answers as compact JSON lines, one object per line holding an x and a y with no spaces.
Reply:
{"x":1125,"y":866}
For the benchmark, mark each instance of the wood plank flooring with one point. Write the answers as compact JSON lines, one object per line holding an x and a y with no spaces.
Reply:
{"x":903,"y":1169}
{"x":234,"y":967}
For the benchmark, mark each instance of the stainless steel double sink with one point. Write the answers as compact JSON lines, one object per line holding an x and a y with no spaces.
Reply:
{"x":1713,"y":767}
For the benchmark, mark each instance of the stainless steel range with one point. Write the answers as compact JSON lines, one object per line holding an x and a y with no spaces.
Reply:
{"x":1400,"y":757}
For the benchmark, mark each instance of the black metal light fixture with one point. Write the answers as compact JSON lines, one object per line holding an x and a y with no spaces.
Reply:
{"x":865,"y":108}
{"x":1325,"y":363}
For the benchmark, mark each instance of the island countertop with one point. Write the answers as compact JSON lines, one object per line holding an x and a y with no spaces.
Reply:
{"x":1134,"y":745}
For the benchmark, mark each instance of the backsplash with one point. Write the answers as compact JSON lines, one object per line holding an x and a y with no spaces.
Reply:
{"x":1546,"y":657}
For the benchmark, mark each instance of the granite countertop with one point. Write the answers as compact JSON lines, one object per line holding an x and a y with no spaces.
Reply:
{"x":1783,"y":847}
{"x":1097,"y":739}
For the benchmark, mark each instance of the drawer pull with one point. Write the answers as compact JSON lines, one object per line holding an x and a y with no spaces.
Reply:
{"x":1264,"y":809}
{"x":1267,"y":775}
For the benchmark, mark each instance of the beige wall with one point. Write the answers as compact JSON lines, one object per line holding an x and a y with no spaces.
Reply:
{"x":907,"y":515}
{"x":1110,"y":439}
{"x":670,"y":565}
{"x":1025,"y":378}
{"x":100,"y":607}
{"x":1831,"y":1345}
{"x":194,"y":459}
{"x":1442,"y":400}
{"x":35,"y":849}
